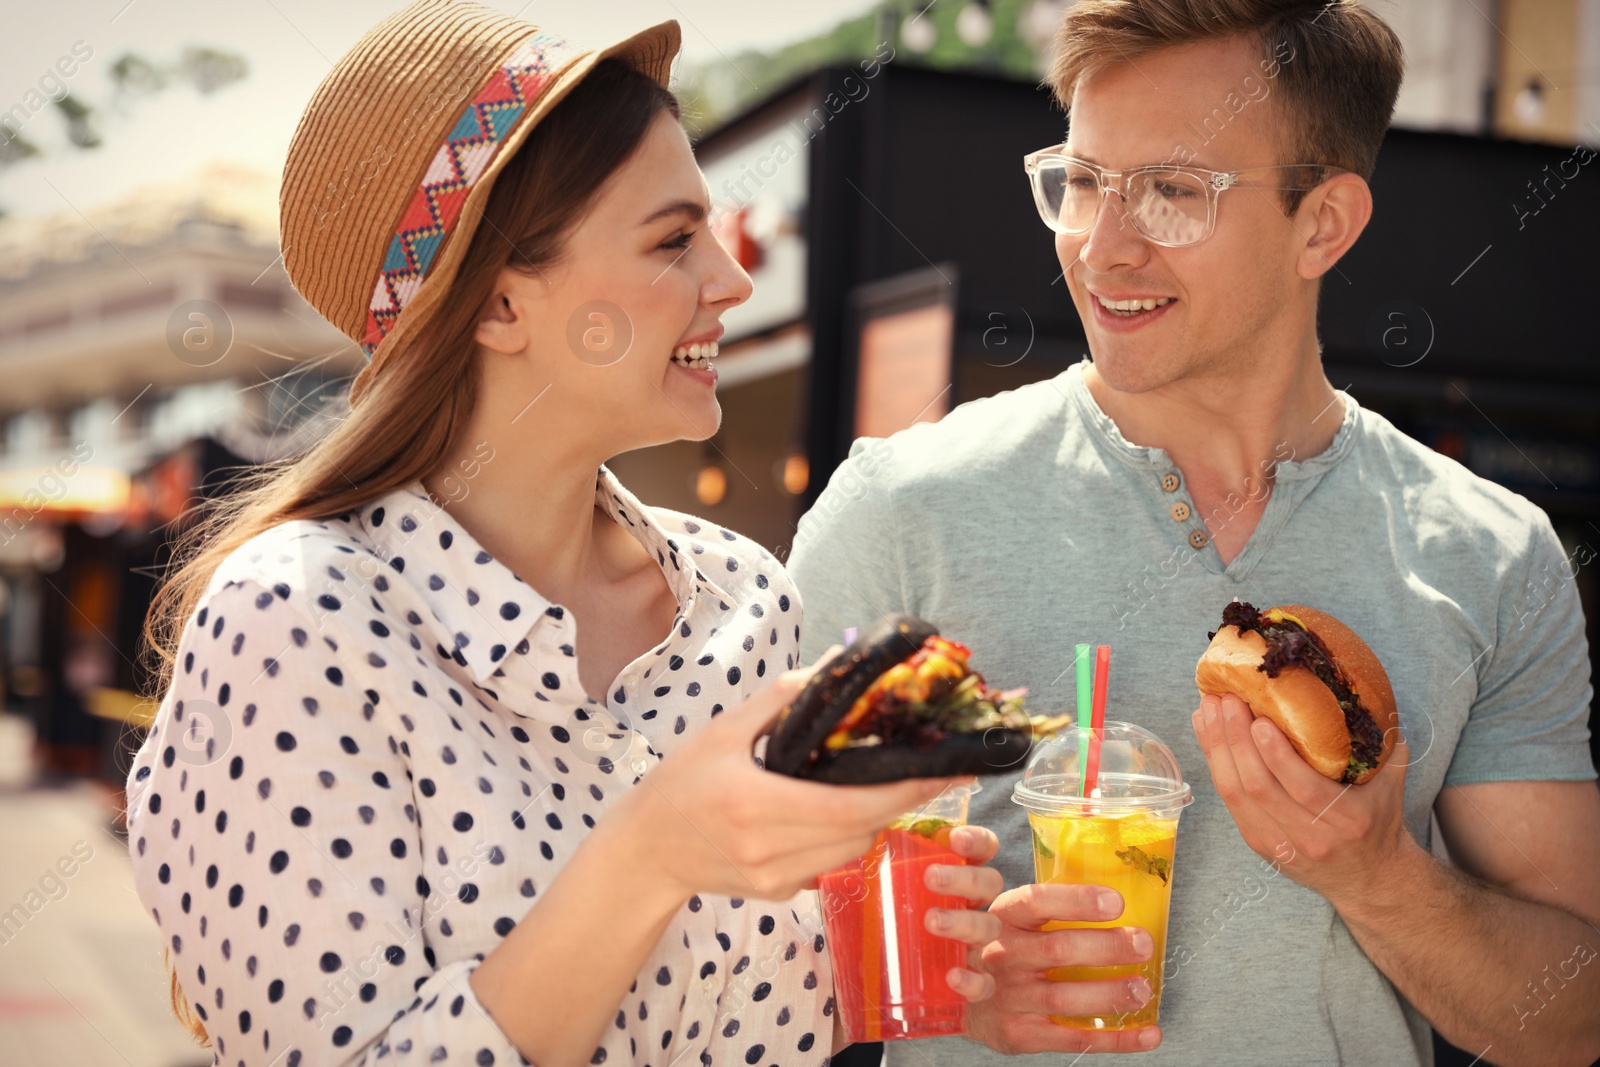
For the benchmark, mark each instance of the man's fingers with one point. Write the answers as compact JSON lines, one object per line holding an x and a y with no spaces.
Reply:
{"x":1038,"y":1034}
{"x":1028,"y":907}
{"x":976,"y":843}
{"x":978,"y":884}
{"x":1093,"y":947}
{"x":1104,"y":996}
{"x":1304,"y":785}
{"x":969,"y":927}
{"x":973,"y":985}
{"x":1256,"y":779}
{"x":1219,"y":757}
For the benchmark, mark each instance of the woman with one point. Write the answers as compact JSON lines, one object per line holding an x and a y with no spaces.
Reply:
{"x":406,"y":793}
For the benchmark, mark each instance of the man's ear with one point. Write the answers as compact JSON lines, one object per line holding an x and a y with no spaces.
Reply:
{"x":1331,"y":217}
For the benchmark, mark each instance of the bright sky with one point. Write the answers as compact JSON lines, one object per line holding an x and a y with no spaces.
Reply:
{"x":290,"y":45}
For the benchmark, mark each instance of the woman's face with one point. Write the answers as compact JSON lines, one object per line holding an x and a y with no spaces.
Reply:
{"x":641,"y":278}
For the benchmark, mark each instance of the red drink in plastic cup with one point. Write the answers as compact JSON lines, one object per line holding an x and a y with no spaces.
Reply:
{"x":888,"y":971}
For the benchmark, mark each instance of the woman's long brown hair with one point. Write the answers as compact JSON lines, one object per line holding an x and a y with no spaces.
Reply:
{"x":431,"y":383}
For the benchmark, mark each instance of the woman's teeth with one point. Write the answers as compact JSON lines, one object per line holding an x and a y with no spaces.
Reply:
{"x":698,"y":356}
{"x":1134,"y":307}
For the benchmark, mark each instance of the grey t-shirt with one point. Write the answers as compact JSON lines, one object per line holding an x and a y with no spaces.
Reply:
{"x":1024,"y":523}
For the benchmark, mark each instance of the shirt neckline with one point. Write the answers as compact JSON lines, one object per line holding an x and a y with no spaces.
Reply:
{"x":1146,"y":456}
{"x":616,"y":499}
{"x":1293,"y":479}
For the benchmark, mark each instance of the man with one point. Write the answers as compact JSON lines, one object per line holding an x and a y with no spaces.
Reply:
{"x":1203,"y":456}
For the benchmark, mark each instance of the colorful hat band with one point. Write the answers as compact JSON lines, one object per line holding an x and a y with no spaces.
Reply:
{"x":466,"y":152}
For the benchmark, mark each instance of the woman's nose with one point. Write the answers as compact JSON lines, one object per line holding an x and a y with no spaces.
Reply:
{"x":728,"y":283}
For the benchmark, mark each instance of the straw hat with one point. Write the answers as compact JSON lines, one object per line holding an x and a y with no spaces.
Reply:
{"x":394,"y":158}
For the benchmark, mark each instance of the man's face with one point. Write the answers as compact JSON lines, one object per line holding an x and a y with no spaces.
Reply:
{"x":1235,"y":299}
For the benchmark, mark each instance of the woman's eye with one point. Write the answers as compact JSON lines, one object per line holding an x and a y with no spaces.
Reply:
{"x":679,"y":242}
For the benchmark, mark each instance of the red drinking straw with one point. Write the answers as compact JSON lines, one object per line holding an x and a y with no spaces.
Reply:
{"x":1102,"y":672}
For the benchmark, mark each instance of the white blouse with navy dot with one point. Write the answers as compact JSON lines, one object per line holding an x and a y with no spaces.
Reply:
{"x":376,"y":753}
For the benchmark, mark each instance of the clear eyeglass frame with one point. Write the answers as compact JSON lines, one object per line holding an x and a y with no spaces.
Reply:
{"x":1135,"y":187}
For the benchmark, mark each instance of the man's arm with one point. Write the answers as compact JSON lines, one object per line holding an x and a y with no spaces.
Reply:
{"x":1502,"y":953}
{"x":1460,"y":945}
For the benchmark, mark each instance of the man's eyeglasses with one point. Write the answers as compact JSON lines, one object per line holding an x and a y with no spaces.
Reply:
{"x":1167,"y":204}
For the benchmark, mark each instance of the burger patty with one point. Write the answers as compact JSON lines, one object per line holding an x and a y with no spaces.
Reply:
{"x":1292,"y":645}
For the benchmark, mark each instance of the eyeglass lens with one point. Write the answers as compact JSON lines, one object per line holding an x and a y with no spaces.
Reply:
{"x":1163,"y":205}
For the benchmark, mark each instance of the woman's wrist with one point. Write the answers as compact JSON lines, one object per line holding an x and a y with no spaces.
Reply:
{"x":631,"y":838}
{"x":608,"y":906}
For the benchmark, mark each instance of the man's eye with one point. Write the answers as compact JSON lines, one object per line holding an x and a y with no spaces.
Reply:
{"x":1174,"y":191}
{"x":679,"y":242}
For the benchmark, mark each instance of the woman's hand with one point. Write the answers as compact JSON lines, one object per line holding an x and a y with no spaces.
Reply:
{"x":708,"y":819}
{"x":975,"y":926}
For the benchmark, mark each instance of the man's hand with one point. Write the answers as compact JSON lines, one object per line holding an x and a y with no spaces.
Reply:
{"x":1016,"y":1019}
{"x":1326,"y":836}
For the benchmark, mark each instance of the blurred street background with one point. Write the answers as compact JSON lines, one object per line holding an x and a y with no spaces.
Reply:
{"x":864,"y":158}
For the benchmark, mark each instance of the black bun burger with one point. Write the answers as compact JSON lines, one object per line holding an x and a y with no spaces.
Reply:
{"x":901,"y":702}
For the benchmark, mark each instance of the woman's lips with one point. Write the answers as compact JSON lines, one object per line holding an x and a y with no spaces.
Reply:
{"x":704,"y":377}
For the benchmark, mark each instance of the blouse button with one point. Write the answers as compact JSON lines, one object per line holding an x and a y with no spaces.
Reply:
{"x":1197,"y":539}
{"x":1180,"y":512}
{"x":1170,"y":482}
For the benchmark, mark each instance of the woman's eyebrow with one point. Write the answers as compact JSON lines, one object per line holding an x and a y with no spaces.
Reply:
{"x":694,"y":210}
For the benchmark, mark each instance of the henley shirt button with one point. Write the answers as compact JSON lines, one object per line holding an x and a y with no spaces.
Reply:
{"x":1170,"y":482}
{"x":1180,"y":512}
{"x":1197,"y":539}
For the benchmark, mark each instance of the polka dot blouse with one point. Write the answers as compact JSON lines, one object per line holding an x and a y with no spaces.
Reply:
{"x":376,"y":753}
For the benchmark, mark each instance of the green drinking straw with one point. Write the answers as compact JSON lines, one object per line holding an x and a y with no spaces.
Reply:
{"x":1085,"y":667}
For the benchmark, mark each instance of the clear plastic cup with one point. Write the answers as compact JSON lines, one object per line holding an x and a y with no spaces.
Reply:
{"x":889,"y":973}
{"x":1123,"y":835}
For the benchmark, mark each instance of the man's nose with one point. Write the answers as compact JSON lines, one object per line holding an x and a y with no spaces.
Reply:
{"x":1112,"y":240}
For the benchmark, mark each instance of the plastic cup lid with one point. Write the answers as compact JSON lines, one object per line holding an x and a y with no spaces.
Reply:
{"x":1137,"y":772}
{"x":950,"y":804}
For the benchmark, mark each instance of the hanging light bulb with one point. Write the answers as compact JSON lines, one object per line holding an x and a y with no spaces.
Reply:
{"x":710,"y":485}
{"x":974,"y":25}
{"x":796,"y":473}
{"x":1528,"y":105}
{"x":918,"y":33}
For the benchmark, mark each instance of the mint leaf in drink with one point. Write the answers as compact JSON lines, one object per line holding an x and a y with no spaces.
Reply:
{"x":928,"y":828}
{"x":1044,"y":850}
{"x":1140,"y":860}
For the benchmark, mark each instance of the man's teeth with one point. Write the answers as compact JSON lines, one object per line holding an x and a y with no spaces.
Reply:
{"x":1147,"y":304}
{"x":697,"y":355}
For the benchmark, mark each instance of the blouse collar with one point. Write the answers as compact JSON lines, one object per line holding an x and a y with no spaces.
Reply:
{"x":487,"y":607}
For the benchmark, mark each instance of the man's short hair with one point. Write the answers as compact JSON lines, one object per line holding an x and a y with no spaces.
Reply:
{"x":1338,"y":65}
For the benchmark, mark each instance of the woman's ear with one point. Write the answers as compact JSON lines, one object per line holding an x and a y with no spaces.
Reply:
{"x":505,"y":318}
{"x":1332,"y":217}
